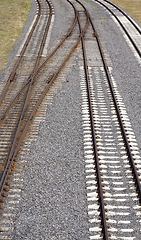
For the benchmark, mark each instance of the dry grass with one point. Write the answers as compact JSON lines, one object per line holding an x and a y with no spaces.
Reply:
{"x":131,"y":6}
{"x":13,"y":15}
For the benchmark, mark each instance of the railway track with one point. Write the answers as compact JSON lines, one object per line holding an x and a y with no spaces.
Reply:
{"x":18,"y":78}
{"x":27,"y":98}
{"x":131,"y":29}
{"x":112,"y":153}
{"x":113,"y":194}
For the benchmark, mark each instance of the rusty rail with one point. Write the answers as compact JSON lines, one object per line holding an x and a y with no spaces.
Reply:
{"x":100,"y":191}
{"x":13,"y":73}
{"x":26,"y":100}
{"x":34,"y":74}
{"x":15,"y":148}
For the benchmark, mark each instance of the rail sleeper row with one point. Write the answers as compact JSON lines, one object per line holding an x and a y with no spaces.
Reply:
{"x":105,"y":153}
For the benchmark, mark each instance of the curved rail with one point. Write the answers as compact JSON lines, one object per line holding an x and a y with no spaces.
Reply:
{"x":41,"y":66}
{"x":44,"y":37}
{"x":31,"y":82}
{"x":130,"y":38}
{"x":12,"y":151}
{"x":123,"y":12}
{"x":136,"y":178}
{"x":100,"y":191}
{"x":15,"y":148}
{"x":12,"y":75}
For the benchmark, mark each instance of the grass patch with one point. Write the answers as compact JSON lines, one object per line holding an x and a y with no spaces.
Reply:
{"x":131,"y":6}
{"x":13,"y":15}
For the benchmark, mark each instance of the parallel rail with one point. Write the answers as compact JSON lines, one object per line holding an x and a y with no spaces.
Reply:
{"x":131,"y":160}
{"x":13,"y":73}
{"x":5,"y":172}
{"x":25,"y":116}
{"x":125,"y":14}
{"x":136,"y":178}
{"x":121,"y":24}
{"x":100,"y":191}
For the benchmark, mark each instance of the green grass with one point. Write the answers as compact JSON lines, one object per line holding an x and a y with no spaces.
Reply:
{"x":131,"y":6}
{"x":13,"y":15}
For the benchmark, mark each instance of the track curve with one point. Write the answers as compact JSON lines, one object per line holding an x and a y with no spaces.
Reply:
{"x":112,"y":192}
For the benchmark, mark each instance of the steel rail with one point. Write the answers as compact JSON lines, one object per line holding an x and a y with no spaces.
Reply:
{"x":36,"y":64}
{"x":132,"y":41}
{"x":29,"y":89}
{"x":12,"y":75}
{"x":41,"y":66}
{"x":44,"y":37}
{"x":100,"y":191}
{"x":10,"y":160}
{"x":125,"y":14}
{"x":136,"y":178}
{"x":38,"y":57}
